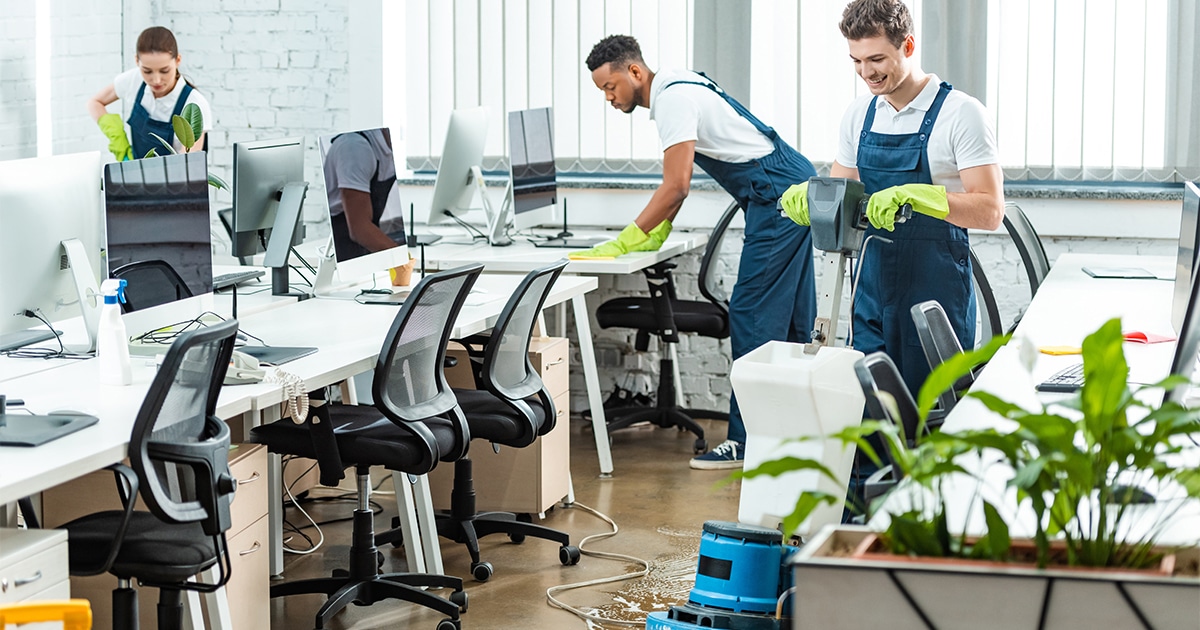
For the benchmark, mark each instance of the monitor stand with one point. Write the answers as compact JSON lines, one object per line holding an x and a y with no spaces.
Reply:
{"x":87,"y":291}
{"x":287,"y":217}
{"x":497,"y":220}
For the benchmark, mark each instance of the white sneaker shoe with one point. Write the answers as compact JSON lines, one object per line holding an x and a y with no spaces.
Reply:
{"x":730,"y":454}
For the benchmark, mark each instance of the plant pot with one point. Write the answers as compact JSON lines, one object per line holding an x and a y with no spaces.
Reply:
{"x":901,"y":593}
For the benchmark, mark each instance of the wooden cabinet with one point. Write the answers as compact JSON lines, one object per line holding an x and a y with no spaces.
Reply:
{"x":33,"y":567}
{"x":249,"y":582}
{"x":530,"y":479}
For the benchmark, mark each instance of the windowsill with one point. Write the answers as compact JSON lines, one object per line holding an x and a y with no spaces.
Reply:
{"x":1012,"y":190}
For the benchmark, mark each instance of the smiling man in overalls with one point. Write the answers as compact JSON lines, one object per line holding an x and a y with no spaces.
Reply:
{"x":698,"y":123}
{"x":915,"y":140}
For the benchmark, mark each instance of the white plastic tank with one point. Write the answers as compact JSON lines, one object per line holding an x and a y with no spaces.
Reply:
{"x":784,"y":393}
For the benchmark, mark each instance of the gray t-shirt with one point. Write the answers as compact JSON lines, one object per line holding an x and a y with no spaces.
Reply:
{"x":351,"y":162}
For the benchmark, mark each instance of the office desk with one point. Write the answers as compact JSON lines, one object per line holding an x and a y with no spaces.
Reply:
{"x":1069,"y":306}
{"x":523,"y":257}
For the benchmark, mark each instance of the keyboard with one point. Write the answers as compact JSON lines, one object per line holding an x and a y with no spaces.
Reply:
{"x":227,"y":280}
{"x":1066,"y":380}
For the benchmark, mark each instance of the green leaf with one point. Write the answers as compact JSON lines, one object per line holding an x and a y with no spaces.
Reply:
{"x":805,"y":505}
{"x":195,"y":119}
{"x":776,"y":467}
{"x":1105,"y":375}
{"x":944,"y":376}
{"x":183,"y":131}
{"x":170,"y":149}
{"x":911,"y":534}
{"x":150,"y":154}
{"x":998,"y":539}
{"x":216,"y":182}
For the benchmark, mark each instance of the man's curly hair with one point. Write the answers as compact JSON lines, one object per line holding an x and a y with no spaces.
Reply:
{"x":870,"y":18}
{"x":619,"y":50}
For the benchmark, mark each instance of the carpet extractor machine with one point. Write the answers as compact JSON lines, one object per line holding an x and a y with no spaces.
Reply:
{"x":785,"y":391}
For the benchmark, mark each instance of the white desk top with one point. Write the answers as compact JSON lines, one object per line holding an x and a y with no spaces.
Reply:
{"x":1069,"y":306}
{"x":523,"y":257}
{"x":345,"y":350}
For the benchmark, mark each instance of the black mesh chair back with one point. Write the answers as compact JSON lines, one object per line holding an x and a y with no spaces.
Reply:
{"x":989,"y":311}
{"x":711,"y":286}
{"x":939,"y":343}
{"x":508,"y":373}
{"x":150,"y":283}
{"x":1029,"y":246}
{"x":410,"y":382}
{"x":878,"y":374}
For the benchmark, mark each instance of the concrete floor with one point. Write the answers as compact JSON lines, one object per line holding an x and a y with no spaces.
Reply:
{"x":657,"y":501}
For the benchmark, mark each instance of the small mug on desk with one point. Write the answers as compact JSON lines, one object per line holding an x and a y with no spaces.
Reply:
{"x":402,"y":275}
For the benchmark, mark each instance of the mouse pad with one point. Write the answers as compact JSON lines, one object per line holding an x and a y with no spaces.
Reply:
{"x":22,"y":430}
{"x":276,"y":355}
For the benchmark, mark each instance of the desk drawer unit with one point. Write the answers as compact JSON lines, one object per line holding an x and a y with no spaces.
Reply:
{"x":33,"y":564}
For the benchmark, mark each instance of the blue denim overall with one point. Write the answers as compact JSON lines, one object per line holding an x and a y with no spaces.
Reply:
{"x":141,"y":126}
{"x":775,"y":295}
{"x":928,"y":260}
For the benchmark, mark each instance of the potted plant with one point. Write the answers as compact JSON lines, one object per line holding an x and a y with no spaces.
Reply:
{"x":188,"y":126}
{"x":939,"y":552}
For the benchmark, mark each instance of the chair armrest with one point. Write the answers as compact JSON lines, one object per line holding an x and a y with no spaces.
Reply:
{"x":127,"y":488}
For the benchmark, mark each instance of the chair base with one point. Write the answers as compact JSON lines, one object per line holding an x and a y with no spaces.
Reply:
{"x":666,"y":417}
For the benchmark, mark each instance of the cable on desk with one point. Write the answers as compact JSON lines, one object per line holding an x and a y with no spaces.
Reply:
{"x":476,"y":233}
{"x":587,"y":616}
{"x":45,"y":353}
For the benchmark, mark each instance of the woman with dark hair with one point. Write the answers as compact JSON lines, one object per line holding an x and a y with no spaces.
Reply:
{"x":153,"y":92}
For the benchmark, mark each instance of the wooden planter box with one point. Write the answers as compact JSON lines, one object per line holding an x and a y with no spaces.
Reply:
{"x":834,"y":590}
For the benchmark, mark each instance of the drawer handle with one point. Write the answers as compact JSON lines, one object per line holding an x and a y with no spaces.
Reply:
{"x":19,"y":582}
{"x":560,"y":412}
{"x":251,"y":550}
{"x":555,"y":362}
{"x":252,"y":478}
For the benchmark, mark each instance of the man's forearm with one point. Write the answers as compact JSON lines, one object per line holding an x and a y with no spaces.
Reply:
{"x":664,"y":204}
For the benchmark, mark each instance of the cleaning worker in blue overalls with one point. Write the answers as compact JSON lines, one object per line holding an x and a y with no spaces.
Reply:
{"x":775,"y":297}
{"x":155,"y":91}
{"x":360,"y":171}
{"x":913,"y":140}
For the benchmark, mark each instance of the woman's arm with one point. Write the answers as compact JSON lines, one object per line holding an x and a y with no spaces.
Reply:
{"x":98,"y":104}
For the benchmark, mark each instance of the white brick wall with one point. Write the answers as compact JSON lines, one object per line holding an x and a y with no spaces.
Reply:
{"x":18,"y":131}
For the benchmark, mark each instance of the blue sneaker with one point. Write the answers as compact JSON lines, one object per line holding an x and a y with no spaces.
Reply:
{"x":728,"y":455}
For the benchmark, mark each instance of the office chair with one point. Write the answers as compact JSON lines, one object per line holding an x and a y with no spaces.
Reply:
{"x":940,"y":343}
{"x":414,"y":422}
{"x":664,"y":315}
{"x":150,"y":283}
{"x":989,"y":311}
{"x":509,"y":407}
{"x":878,"y":374}
{"x":1029,"y":247}
{"x":179,"y":454}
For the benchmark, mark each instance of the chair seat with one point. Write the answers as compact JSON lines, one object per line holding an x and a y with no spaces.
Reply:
{"x":364,"y":438}
{"x":701,"y":318}
{"x":492,"y":420}
{"x":153,"y":551}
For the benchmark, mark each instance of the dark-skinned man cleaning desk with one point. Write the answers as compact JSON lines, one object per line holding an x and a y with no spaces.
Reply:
{"x":698,"y":123}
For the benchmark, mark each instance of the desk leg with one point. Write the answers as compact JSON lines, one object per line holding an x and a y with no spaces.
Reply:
{"x":675,"y":374}
{"x":275,"y":511}
{"x":407,"y":509}
{"x":560,"y":319}
{"x":216,"y":604}
{"x":587,"y":354}
{"x":425,"y":516}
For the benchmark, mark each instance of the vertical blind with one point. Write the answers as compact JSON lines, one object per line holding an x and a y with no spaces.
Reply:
{"x":1079,"y":89}
{"x":520,"y":54}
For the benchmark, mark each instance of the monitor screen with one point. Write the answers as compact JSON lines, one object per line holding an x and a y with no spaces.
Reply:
{"x":43,"y":202}
{"x":156,"y":209}
{"x":365,"y":216}
{"x":1185,"y":261}
{"x":261,"y":169}
{"x":531,"y":162}
{"x":453,"y":189}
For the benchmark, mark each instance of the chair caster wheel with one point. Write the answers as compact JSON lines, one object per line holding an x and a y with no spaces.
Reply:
{"x":700,"y":447}
{"x":398,"y":543}
{"x":341,"y":573}
{"x":569,"y":555}
{"x":516,"y":538}
{"x":525,"y":517}
{"x":459,"y":598}
{"x":449,"y":624}
{"x":378,"y":559}
{"x":481,"y":571}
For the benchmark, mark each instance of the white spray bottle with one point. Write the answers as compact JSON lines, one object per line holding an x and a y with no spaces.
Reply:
{"x":112,"y":343}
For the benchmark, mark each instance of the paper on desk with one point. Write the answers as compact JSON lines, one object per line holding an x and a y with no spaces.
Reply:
{"x":477,"y":299}
{"x":1145,"y":337}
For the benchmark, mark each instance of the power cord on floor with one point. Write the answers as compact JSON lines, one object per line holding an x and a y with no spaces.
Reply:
{"x":552,"y":591}
{"x":287,"y":488}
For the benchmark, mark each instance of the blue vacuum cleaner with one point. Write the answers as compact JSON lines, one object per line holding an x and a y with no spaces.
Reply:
{"x":740,"y":576}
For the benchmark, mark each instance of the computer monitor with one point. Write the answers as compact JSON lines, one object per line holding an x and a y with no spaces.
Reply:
{"x":1185,"y":261}
{"x":50,"y":241}
{"x":531,"y":167}
{"x":1188,"y":344}
{"x":156,"y":209}
{"x":358,"y":166}
{"x":459,"y":174}
{"x":268,"y":196}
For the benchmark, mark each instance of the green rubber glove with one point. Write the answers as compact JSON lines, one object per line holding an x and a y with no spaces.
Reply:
{"x":655,"y":238}
{"x":114,"y":128}
{"x":795,"y":203}
{"x":925,"y":198}
{"x":629,"y":238}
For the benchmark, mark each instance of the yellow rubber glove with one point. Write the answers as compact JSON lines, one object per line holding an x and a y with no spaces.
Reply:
{"x":655,"y":238}
{"x":925,"y":198}
{"x":114,"y":129}
{"x":629,"y":238}
{"x":795,"y":203}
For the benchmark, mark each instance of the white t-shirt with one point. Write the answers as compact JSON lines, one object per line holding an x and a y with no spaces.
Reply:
{"x":693,"y":112}
{"x":351,"y":162}
{"x":129,"y":82}
{"x":962,"y":135}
